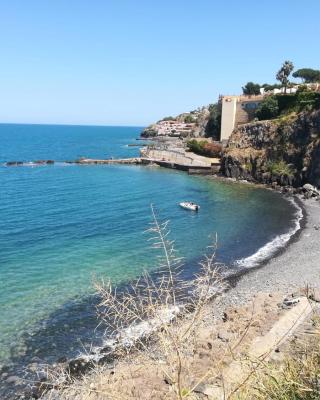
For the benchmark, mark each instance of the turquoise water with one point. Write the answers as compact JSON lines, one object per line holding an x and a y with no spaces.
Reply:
{"x":63,"y":225}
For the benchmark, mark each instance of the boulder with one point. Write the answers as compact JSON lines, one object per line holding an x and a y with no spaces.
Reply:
{"x":311,"y":190}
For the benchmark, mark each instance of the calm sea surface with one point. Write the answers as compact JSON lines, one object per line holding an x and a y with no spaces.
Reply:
{"x":62,"y":225}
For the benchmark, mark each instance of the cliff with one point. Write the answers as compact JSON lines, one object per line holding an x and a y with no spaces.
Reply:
{"x":285,"y":151}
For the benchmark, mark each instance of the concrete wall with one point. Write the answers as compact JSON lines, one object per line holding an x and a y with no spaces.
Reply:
{"x":235,"y":111}
{"x":228,"y":115}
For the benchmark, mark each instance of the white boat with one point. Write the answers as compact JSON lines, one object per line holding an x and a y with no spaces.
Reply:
{"x":188,"y":205}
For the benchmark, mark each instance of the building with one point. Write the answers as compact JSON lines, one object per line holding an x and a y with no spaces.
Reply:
{"x":174,"y":128}
{"x":237,"y":110}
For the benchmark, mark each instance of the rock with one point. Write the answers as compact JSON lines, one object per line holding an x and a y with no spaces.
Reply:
{"x":13,"y":379}
{"x":256,"y":151}
{"x":13,"y":163}
{"x":208,"y":390}
{"x":310,"y":190}
{"x":315,"y":295}
{"x":106,"y":349}
{"x":225,"y":336}
{"x":79,"y":366}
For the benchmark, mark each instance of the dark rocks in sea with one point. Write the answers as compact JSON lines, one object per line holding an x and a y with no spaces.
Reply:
{"x":13,"y":163}
{"x":43,"y":162}
{"x":21,"y":163}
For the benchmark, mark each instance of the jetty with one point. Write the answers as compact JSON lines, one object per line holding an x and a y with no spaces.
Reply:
{"x":192,"y":168}
{"x":90,"y":161}
{"x":172,"y":155}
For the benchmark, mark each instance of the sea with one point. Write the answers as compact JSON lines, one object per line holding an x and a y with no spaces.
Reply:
{"x":65,"y":226}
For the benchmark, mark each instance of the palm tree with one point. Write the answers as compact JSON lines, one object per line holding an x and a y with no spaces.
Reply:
{"x":283,"y":74}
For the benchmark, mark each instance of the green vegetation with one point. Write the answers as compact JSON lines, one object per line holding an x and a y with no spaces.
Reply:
{"x":284,"y":73}
{"x":213,"y":126}
{"x":308,"y":75}
{"x":189,"y":119}
{"x":251,"y":88}
{"x":308,"y":100}
{"x":267,"y":87}
{"x":274,"y":106}
{"x":204,"y":148}
{"x":280,"y":168}
{"x":170,"y":118}
{"x":268,"y":108}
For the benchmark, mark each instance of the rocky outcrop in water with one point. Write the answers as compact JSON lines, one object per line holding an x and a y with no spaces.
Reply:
{"x":285,"y":151}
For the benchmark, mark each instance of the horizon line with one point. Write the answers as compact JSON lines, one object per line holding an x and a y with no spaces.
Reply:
{"x":70,"y":124}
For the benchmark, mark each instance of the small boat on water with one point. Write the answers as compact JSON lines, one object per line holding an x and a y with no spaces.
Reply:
{"x":189,"y":205}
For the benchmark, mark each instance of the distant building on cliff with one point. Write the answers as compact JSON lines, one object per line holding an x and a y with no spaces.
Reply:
{"x":241,"y":109}
{"x":237,"y":110}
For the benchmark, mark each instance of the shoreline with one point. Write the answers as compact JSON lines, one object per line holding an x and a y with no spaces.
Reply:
{"x":283,"y":275}
{"x":222,"y":300}
{"x":295,"y":265}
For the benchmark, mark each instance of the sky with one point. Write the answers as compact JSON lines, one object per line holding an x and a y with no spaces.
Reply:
{"x":132,"y":62}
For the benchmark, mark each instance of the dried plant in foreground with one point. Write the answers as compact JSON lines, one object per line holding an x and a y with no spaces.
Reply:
{"x":157,"y":317}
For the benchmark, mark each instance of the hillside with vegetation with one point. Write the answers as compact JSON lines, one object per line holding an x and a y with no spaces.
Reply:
{"x":202,"y":122}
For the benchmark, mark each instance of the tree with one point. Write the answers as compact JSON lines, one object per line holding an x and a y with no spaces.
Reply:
{"x":268,"y":108}
{"x":189,"y":119}
{"x":251,"y":88}
{"x":308,"y":75}
{"x":283,"y":74}
{"x":213,"y":126}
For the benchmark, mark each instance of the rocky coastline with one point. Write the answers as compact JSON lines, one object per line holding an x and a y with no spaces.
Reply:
{"x":284,"y":152}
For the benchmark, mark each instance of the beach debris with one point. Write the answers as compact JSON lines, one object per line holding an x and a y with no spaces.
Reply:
{"x":288,"y":302}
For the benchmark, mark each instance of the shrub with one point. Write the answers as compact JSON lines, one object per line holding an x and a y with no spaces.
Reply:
{"x":189,"y":119}
{"x":213,"y":126}
{"x":307,"y":100}
{"x":268,"y":87}
{"x":204,"y":148}
{"x":268,"y":108}
{"x":286,"y":102}
{"x":280,"y":168}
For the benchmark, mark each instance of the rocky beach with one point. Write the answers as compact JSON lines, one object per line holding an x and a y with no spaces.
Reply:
{"x":269,"y":303}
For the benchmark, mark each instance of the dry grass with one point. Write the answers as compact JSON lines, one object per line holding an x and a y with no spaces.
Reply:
{"x":295,"y":378}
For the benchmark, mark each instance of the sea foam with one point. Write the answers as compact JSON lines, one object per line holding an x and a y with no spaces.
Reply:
{"x":271,"y":248}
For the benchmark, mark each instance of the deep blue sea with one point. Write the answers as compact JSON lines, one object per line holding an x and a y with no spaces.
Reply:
{"x":61,"y":226}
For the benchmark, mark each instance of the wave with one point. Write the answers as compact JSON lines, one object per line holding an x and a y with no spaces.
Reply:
{"x":276,"y":244}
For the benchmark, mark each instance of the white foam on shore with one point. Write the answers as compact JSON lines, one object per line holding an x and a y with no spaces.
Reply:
{"x":135,"y":332}
{"x":269,"y":249}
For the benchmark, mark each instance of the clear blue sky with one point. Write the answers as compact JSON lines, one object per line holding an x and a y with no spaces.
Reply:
{"x":130,"y":62}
